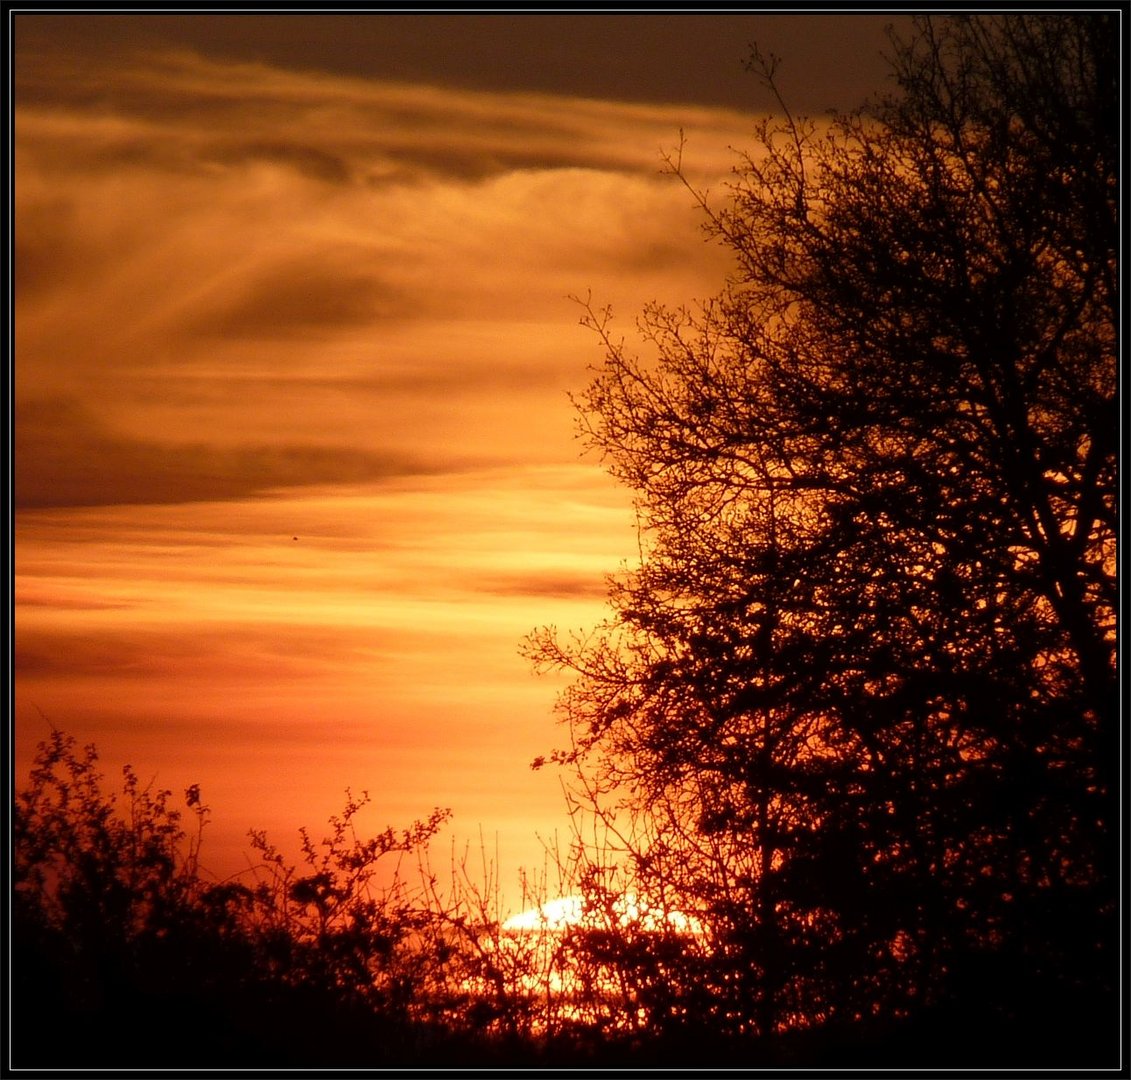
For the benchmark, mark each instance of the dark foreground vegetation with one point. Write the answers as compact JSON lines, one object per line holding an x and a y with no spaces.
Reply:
{"x":125,"y":955}
{"x":854,"y":718}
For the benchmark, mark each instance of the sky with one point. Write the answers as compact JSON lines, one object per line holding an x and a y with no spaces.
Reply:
{"x":295,"y":464}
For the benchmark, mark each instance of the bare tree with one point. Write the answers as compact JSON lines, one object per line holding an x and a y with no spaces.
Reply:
{"x":858,"y":703}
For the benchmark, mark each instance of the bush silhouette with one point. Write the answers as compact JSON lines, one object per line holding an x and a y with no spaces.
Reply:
{"x":119,"y":941}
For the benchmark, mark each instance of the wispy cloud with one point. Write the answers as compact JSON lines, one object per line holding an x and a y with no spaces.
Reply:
{"x":183,"y":222}
{"x":175,"y":109}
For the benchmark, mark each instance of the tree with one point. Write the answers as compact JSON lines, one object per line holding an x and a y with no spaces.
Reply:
{"x":857,"y":705}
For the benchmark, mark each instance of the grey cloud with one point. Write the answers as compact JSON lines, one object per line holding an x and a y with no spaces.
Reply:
{"x":147,"y":653}
{"x":470,"y":164}
{"x":183,"y":146}
{"x":830,"y":59}
{"x":48,"y":251}
{"x":252,"y":650}
{"x":467,"y":377}
{"x":167,"y":153}
{"x":501,"y":375}
{"x":301,"y":295}
{"x":65,"y":457}
{"x":29,"y":599}
{"x":553,"y":585}
{"x":180,"y":113}
{"x":75,"y":655}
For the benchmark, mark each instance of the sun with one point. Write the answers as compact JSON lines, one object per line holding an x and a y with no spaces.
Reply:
{"x":552,"y":915}
{"x":628,"y":910}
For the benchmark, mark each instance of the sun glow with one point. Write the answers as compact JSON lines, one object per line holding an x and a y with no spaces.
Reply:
{"x":623,"y":912}
{"x":559,"y":957}
{"x":552,"y":915}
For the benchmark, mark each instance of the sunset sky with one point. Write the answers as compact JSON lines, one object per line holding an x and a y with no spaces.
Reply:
{"x":295,"y":468}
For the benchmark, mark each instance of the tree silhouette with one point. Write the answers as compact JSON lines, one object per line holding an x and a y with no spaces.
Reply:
{"x":857,"y":705}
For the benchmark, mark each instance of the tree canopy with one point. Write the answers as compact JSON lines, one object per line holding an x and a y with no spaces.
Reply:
{"x":857,"y":704}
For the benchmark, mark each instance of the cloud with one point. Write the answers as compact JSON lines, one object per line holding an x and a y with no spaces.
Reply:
{"x":300,"y":295}
{"x":179,"y":112}
{"x":556,"y":585}
{"x":65,"y":457}
{"x":309,"y":161}
{"x":226,"y":267}
{"x":103,"y":645}
{"x":654,"y":57}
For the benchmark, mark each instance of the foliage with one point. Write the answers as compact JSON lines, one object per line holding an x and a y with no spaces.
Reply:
{"x":358,"y":956}
{"x":857,"y":705}
{"x":336,"y":924}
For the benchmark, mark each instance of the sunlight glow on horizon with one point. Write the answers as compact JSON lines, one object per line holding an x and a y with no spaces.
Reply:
{"x":626,"y":911}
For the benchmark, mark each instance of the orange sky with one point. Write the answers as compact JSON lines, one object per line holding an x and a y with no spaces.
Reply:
{"x":255,"y":302}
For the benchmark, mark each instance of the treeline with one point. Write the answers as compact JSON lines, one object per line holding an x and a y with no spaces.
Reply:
{"x":126,"y":954}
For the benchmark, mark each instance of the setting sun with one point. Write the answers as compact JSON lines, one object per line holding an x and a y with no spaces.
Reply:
{"x":624,"y":911}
